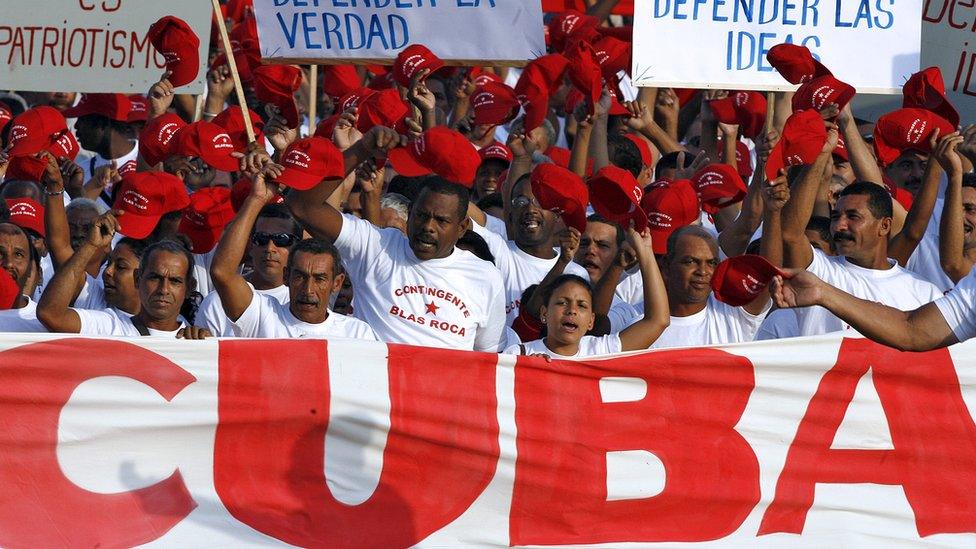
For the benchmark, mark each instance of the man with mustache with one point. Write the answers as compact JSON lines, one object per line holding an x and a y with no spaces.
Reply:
{"x":860,"y":225}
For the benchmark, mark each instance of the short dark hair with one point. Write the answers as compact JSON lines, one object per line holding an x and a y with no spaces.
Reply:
{"x":879,"y":201}
{"x":316,"y":246}
{"x":691,"y":230}
{"x":969,"y":180}
{"x":624,"y":154}
{"x":493,"y":200}
{"x":474,"y":243}
{"x":820,"y":224}
{"x":409,"y":187}
{"x":597,"y":218}
{"x":439,"y":185}
{"x":280,"y":211}
{"x":561,"y":281}
{"x":669,"y":161}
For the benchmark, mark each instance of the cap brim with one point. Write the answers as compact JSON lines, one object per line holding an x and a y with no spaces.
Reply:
{"x":404,"y":162}
{"x":298,"y":180}
{"x":203,"y":240}
{"x":137,"y":226}
{"x":224,"y":163}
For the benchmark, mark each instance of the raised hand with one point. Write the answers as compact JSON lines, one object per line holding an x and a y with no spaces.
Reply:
{"x":946,"y":151}
{"x":418,"y":93}
{"x":161,"y":96}
{"x":801,"y":289}
{"x":569,"y":242}
{"x":102,"y":230}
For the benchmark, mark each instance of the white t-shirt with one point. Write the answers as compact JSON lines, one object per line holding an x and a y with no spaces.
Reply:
{"x":779,"y":324}
{"x":267,"y":318}
{"x":926,"y":263}
{"x":456,"y":302}
{"x":959,"y":307}
{"x":718,"y":323}
{"x":47,"y":273}
{"x":23,"y":320}
{"x":114,"y":322}
{"x":201,"y":272}
{"x":496,"y":226}
{"x":92,"y":294}
{"x":211,"y":313}
{"x":519,"y":269}
{"x":588,"y":346}
{"x":630,"y":288}
{"x":896,"y":287}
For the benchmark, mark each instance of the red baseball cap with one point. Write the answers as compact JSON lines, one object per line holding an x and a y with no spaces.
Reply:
{"x":232,"y":122}
{"x":326,"y":127}
{"x":496,"y":151}
{"x":795,"y":63}
{"x":669,"y":206}
{"x":310,"y":161}
{"x":739,"y":280}
{"x":207,"y":141}
{"x":820,"y":91}
{"x":613,"y":54}
{"x":804,"y":135}
{"x":382,"y":108}
{"x":411,"y":60}
{"x":25,"y":168}
{"x":745,"y":108}
{"x":5,"y":117}
{"x":565,"y":24}
{"x":27,"y":213}
{"x":438,"y":150}
{"x":616,"y":195}
{"x":494,"y":104}
{"x":647,"y":156}
{"x":718,"y":186}
{"x":277,"y":84}
{"x":144,"y":198}
{"x":906,"y":129}
{"x":840,"y":151}
{"x":743,"y":158}
{"x":173,"y":38}
{"x":561,"y":191}
{"x":204,"y":219}
{"x":585,"y":73}
{"x":540,"y":77}
{"x":340,"y":80}
{"x":926,"y":90}
{"x":139,"y":108}
{"x":154,"y":141}
{"x":240,"y":191}
{"x":480,"y":76}
{"x":34,"y":130}
{"x":353,"y":99}
{"x":9,"y":290}
{"x":115,"y":106}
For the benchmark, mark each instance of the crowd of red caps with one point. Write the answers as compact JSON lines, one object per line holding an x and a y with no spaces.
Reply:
{"x":585,"y":63}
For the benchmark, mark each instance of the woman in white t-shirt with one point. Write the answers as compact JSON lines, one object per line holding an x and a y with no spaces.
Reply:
{"x":568,"y":313}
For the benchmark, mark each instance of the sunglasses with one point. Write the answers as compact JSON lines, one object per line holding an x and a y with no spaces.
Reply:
{"x":281,"y":240}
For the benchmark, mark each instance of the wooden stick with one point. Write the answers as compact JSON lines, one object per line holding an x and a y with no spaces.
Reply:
{"x":313,"y":98}
{"x":232,"y":63}
{"x":770,"y":111}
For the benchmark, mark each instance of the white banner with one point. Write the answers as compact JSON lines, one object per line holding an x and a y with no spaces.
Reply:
{"x":478,"y":32}
{"x":872,"y":45}
{"x":91,"y":45}
{"x":947,"y":42}
{"x":816,"y":442}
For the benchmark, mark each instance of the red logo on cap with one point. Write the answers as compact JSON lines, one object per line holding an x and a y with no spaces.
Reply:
{"x":298,"y":158}
{"x":135,"y":200}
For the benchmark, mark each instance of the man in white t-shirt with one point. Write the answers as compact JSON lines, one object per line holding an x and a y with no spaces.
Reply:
{"x":274,"y":234}
{"x":860,"y":228}
{"x":19,"y":258}
{"x":313,"y":273}
{"x":164,"y":279}
{"x":419,"y":288}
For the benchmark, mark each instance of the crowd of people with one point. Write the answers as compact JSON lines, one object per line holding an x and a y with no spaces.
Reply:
{"x":552,"y":210}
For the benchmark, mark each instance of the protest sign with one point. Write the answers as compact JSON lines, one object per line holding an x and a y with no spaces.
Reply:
{"x":91,"y":45}
{"x":461,"y":32}
{"x":947,"y":42}
{"x":809,"y":442}
{"x":872,"y":45}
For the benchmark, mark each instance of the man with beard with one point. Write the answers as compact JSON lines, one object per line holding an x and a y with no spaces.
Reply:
{"x":860,"y":228}
{"x":419,"y":288}
{"x":313,"y":273}
{"x":527,"y":258}
{"x":274,"y":235}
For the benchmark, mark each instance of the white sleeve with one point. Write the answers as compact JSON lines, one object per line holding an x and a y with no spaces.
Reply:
{"x":497,"y":245}
{"x":608,"y":345}
{"x":359,"y":242}
{"x":622,"y":315}
{"x":92,"y":294}
{"x":210,"y":313}
{"x":491,"y":337}
{"x":254,"y":317}
{"x":958,"y":307}
{"x":496,"y":226}
{"x":821,"y":266}
{"x":101,"y":323}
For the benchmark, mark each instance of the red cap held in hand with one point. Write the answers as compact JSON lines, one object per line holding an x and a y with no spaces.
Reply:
{"x":907,"y":129}
{"x":438,"y":150}
{"x":669,"y":207}
{"x":5,"y":117}
{"x":494,"y":104}
{"x":27,"y":213}
{"x":277,"y":84}
{"x":382,"y":108}
{"x":144,"y":198}
{"x":926,"y":90}
{"x":353,"y":99}
{"x":821,"y":91}
{"x":25,"y":168}
{"x":340,"y":80}
{"x":567,"y":23}
{"x":412,"y":60}
{"x":747,"y":109}
{"x":9,"y":290}
{"x":204,"y":219}
{"x":233,"y":123}
{"x":718,"y":186}
{"x":34,"y":130}
{"x":803,"y":138}
{"x":540,"y":78}
{"x":562,"y":192}
{"x":743,"y":158}
{"x":207,"y":141}
{"x":496,"y":151}
{"x":177,"y":42}
{"x":585,"y":73}
{"x":115,"y":106}
{"x":155,"y":139}
{"x":795,"y":63}
{"x":614,"y":55}
{"x":647,"y":157}
{"x":739,"y":280}
{"x":310,"y":161}
{"x":616,"y":195}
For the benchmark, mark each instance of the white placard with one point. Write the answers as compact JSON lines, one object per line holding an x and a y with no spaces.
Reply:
{"x":872,"y":45}
{"x":91,"y":45}
{"x":948,"y":42}
{"x":508,"y":32}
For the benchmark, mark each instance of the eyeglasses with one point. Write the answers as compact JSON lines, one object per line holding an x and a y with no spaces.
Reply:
{"x":523,"y":201}
{"x":281,"y":240}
